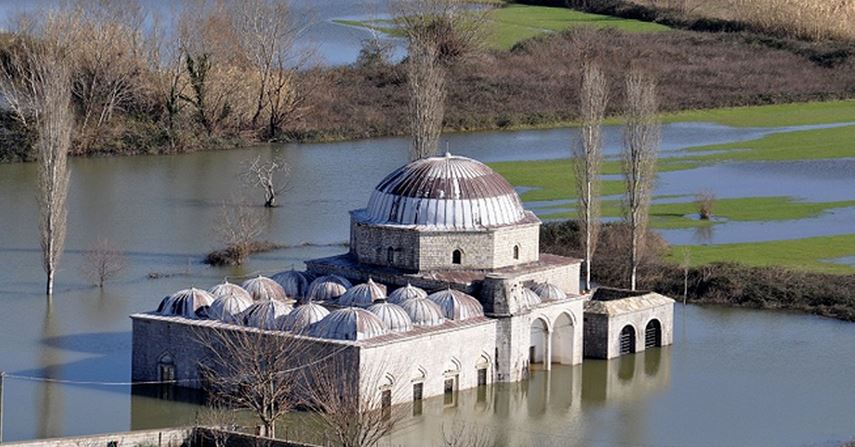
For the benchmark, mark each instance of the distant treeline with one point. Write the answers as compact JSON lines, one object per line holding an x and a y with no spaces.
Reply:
{"x":214,"y":84}
{"x":718,"y":283}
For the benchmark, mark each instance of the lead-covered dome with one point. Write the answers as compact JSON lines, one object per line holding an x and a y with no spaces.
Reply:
{"x":266,"y":314}
{"x":393,"y":316}
{"x":423,"y":312}
{"x":188,"y":303}
{"x":328,"y":287}
{"x":406,"y":293}
{"x":303,"y":316}
{"x":548,"y":291}
{"x":262,"y":288}
{"x":456,"y":305}
{"x":449,"y":191}
{"x":351,"y":323}
{"x":230,"y":300}
{"x":362,"y":295}
{"x":294,"y":283}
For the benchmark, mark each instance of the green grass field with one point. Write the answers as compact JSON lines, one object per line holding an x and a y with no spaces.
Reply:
{"x":511,"y":24}
{"x":837,"y":142}
{"x":802,"y":254}
{"x":778,"y":115}
{"x":681,"y":215}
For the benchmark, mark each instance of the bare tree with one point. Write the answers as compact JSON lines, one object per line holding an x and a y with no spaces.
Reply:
{"x":270,"y":176}
{"x":705,"y":201}
{"x":222,"y":422}
{"x":587,"y":155}
{"x":350,"y":403}
{"x":685,"y":264}
{"x":459,"y":434}
{"x":103,"y":262}
{"x":641,"y":139}
{"x":36,"y":84}
{"x":439,"y":34}
{"x":237,"y":228}
{"x":253,"y":370}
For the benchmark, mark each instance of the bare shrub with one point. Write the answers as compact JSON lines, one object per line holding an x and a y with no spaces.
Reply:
{"x":103,"y":262}
{"x":705,"y":202}
{"x":641,"y":141}
{"x":270,"y":176}
{"x":237,"y":228}
{"x":805,"y":19}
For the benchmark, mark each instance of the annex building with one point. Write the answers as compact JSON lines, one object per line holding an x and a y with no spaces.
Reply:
{"x":443,"y":288}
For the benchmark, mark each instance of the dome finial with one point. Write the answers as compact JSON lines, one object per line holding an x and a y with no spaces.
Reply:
{"x":447,"y":154}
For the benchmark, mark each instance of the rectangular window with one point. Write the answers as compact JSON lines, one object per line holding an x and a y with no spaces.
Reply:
{"x":482,"y":376}
{"x":449,"y":397}
{"x":418,"y":391}
{"x":531,"y":354}
{"x":166,"y":372}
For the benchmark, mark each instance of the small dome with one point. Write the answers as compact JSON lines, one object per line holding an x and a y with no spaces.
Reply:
{"x":457,"y":305}
{"x":351,"y":323}
{"x":188,"y":303}
{"x":408,"y":292}
{"x":262,"y":288}
{"x":423,"y":312}
{"x":304,"y":315}
{"x":448,"y":192}
{"x":265,"y":314}
{"x":295,"y":283}
{"x":362,"y":295}
{"x":328,"y":287}
{"x":548,"y":291}
{"x":393,"y":316}
{"x":228,"y":289}
{"x":529,"y":299}
{"x":230,"y":300}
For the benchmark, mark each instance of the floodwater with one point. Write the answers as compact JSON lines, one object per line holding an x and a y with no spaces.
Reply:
{"x":733,"y":377}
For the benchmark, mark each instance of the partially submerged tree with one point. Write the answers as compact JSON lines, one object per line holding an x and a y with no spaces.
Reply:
{"x":587,"y":155}
{"x":641,"y":139}
{"x":350,"y":403}
{"x":253,"y":370}
{"x":270,"y":176}
{"x":35,"y":80}
{"x":705,"y":201}
{"x":103,"y":262}
{"x":439,"y":33}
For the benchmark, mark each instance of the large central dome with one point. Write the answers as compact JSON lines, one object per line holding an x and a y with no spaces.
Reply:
{"x":449,"y":191}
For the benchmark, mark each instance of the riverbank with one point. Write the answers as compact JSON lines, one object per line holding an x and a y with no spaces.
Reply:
{"x":727,"y":283}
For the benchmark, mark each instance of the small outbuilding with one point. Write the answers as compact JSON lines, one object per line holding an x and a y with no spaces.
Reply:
{"x":619,"y":322}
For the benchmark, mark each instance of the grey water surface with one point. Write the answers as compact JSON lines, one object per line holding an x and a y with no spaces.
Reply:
{"x":733,"y":377}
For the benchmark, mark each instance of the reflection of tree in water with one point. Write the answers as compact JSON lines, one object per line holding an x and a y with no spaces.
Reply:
{"x":50,"y":394}
{"x":704,"y":234}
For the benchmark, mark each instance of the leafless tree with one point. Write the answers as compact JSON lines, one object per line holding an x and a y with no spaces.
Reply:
{"x":439,"y":33}
{"x":237,"y":228}
{"x":587,"y":155}
{"x":705,"y":201}
{"x":221,"y":420}
{"x":36,"y":84}
{"x":103,"y":262}
{"x":266,"y":34}
{"x":270,"y":176}
{"x":685,"y":265}
{"x":349,"y":403}
{"x":641,"y":139}
{"x":253,"y":370}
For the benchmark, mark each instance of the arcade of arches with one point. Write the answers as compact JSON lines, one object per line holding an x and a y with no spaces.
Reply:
{"x":552,"y":341}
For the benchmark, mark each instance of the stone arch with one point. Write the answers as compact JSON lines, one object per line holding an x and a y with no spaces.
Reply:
{"x":419,"y":373}
{"x":653,"y":334}
{"x":388,"y":381}
{"x":516,"y":251}
{"x":626,"y":340}
{"x":539,"y":341}
{"x":484,"y":361}
{"x":457,"y":256}
{"x":452,"y":366}
{"x":563,"y":339}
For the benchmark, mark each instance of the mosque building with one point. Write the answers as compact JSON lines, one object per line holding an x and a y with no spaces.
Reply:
{"x":443,"y":288}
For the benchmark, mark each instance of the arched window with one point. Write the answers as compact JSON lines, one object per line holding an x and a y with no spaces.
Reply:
{"x":653,"y":334}
{"x":390,"y":255}
{"x":457,"y":257}
{"x":516,"y":251}
{"x":627,"y":340}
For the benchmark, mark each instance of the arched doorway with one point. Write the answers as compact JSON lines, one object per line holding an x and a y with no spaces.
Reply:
{"x":539,"y":339}
{"x":562,"y":340}
{"x":653,"y":334}
{"x":627,"y":340}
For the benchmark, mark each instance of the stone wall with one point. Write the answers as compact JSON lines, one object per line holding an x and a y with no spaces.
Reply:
{"x":608,"y":347}
{"x":170,"y":437}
